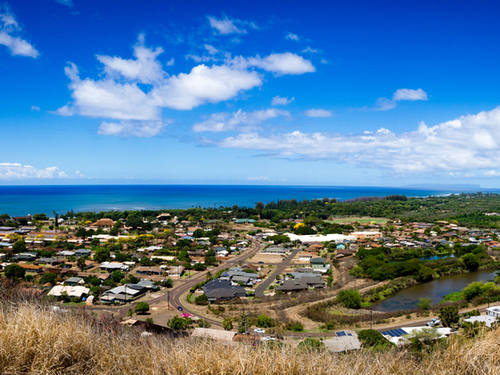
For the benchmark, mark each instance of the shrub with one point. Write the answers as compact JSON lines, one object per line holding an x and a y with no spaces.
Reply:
{"x":350,"y":298}
{"x":201,"y":300}
{"x":141,"y":307}
{"x":370,"y":337}
{"x":263,"y":321}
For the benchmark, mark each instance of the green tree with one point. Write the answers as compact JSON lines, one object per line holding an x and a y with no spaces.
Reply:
{"x":19,"y":247}
{"x":201,"y":300}
{"x":263,"y":321}
{"x":449,"y":316}
{"x":179,"y":323}
{"x":227,"y":324}
{"x":202,"y":323}
{"x":471,"y":262}
{"x":49,"y":277}
{"x":371,"y":337}
{"x":117,"y":276}
{"x":168,"y":282}
{"x":350,"y":298}
{"x":146,"y":262}
{"x":243,"y":323}
{"x":424,"y":303}
{"x":81,"y":263}
{"x":141,"y":307}
{"x":40,"y":217}
{"x":14,"y":271}
{"x":102,"y":255}
{"x":150,"y":320}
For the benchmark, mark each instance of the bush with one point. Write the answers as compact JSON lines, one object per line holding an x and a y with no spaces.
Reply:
{"x":14,"y":271}
{"x":141,"y":307}
{"x":201,"y":300}
{"x":449,"y":316}
{"x":370,"y":337}
{"x":263,"y":321}
{"x":424,"y":303}
{"x":311,"y":344}
{"x":227,"y":324}
{"x":48,"y":278}
{"x":350,"y":298}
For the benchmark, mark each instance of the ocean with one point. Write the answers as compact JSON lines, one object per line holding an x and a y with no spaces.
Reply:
{"x":24,"y":200}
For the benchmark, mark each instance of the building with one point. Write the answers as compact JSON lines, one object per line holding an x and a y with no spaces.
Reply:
{"x":493,"y":311}
{"x":343,"y":341}
{"x":71,"y":291}
{"x":317,"y":263}
{"x":217,"y":290}
{"x":123,"y":293}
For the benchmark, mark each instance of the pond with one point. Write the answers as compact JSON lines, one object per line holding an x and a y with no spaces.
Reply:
{"x":437,"y":257}
{"x":407,"y":299}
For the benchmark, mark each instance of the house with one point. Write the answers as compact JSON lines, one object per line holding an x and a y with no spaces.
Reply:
{"x":83,"y":253}
{"x":31,"y":267}
{"x":123,"y":293}
{"x":176,"y":271}
{"x":148,"y":284}
{"x":305,"y":257}
{"x":104,"y":224}
{"x":71,"y":291}
{"x":317,"y":263}
{"x":275,"y":250}
{"x":292,"y":286}
{"x":244,"y":221}
{"x":143,"y":270}
{"x":66,"y":253}
{"x":114,"y":266}
{"x":49,"y":261}
{"x":74,"y":281}
{"x":488,"y":320}
{"x":214,"y":334}
{"x":343,"y":341}
{"x":493,"y":311}
{"x":28,"y":257}
{"x":217,"y":290}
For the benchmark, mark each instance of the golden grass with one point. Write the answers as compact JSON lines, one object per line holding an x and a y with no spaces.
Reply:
{"x":36,"y":340}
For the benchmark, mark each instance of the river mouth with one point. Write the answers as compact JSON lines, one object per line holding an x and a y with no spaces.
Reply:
{"x":407,"y":299}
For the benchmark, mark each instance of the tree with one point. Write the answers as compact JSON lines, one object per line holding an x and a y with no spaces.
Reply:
{"x":198,"y":233}
{"x":117,"y":276}
{"x":19,"y":247}
{"x":49,"y":277}
{"x":199,"y":267}
{"x":263,"y":321}
{"x":471,"y":262}
{"x":227,"y":324}
{"x":141,"y":307}
{"x":208,"y":276}
{"x":243,"y":323}
{"x":424,"y":303}
{"x":350,"y":298}
{"x":168,"y":283}
{"x":449,"y":316}
{"x":81,"y":263}
{"x":201,"y":300}
{"x":370,"y":337}
{"x":14,"y":271}
{"x":179,"y":323}
{"x":102,"y":255}
{"x":146,"y":262}
{"x":202,"y":323}
{"x":40,"y":217}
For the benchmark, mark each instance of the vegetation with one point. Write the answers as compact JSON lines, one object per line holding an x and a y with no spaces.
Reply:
{"x":141,"y":307}
{"x":350,"y":298}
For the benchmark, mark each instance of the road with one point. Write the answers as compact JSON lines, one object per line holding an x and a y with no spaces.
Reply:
{"x":259,"y":291}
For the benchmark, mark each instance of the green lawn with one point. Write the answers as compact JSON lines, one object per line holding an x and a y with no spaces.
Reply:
{"x":361,"y":220}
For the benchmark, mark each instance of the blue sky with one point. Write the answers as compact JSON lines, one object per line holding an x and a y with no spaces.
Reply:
{"x":304,"y":93}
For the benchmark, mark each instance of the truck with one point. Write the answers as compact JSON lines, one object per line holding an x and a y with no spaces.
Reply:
{"x":434,"y":323}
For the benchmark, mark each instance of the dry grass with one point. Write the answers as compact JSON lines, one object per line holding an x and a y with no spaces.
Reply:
{"x":35,"y":340}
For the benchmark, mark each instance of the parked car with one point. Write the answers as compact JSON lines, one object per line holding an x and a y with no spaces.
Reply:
{"x":268,"y":338}
{"x":179,"y":308}
{"x":259,"y":330}
{"x":434,"y":323}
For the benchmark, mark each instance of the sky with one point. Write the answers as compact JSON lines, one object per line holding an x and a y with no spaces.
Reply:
{"x":340,"y":93}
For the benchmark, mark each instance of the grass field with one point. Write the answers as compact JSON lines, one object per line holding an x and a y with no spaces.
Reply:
{"x":361,"y":220}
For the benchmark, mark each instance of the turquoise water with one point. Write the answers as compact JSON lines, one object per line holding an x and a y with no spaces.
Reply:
{"x":436,"y":257}
{"x":23,"y":200}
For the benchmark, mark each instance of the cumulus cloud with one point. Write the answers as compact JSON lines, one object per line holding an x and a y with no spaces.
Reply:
{"x":240,"y":120}
{"x":292,"y":36}
{"x":318,"y":113}
{"x":278,"y":100}
{"x":277,"y":63}
{"x":467,"y":143}
{"x":142,"y":129}
{"x":384,"y":104}
{"x":227,"y":26}
{"x":120,"y":92}
{"x":16,"y":171}
{"x":9,"y":30}
{"x":34,"y":108}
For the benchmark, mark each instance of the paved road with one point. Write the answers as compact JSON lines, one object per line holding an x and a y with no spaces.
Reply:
{"x":259,"y":291}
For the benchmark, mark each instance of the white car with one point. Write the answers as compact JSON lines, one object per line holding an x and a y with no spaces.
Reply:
{"x":268,"y":338}
{"x":259,"y":330}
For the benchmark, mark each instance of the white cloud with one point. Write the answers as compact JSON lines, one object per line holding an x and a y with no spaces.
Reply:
{"x":277,"y":63}
{"x":35,"y":108}
{"x":200,"y":59}
{"x":9,"y":28}
{"x":259,"y":178}
{"x":384,"y":104}
{"x":241,"y":121}
{"x":292,"y":36}
{"x":66,"y":2}
{"x":318,"y":113}
{"x":211,"y":50}
{"x":16,"y":171}
{"x":170,"y":62}
{"x":468,"y":143}
{"x":204,"y":85}
{"x":226,"y":26}
{"x":278,"y":100}
{"x":142,"y":129}
{"x":491,"y":173}
{"x":145,"y":68}
{"x":309,"y":49}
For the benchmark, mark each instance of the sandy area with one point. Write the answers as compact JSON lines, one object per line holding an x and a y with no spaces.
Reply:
{"x":266,"y":258}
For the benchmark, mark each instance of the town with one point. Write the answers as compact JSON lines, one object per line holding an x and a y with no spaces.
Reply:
{"x":302,"y":278}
